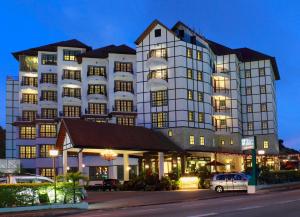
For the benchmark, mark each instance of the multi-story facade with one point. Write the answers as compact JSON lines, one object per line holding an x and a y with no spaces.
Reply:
{"x":203,"y":95}
{"x":68,"y":79}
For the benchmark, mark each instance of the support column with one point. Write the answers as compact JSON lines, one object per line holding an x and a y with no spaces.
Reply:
{"x":126,"y":166}
{"x":80,"y":161}
{"x":160,"y":165}
{"x":65,"y":162}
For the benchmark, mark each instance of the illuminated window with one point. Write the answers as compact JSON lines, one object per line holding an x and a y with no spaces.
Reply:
{"x":26,"y":151}
{"x":248,"y":73}
{"x":263,"y":107}
{"x":159,"y":98}
{"x":70,"y":55}
{"x":72,"y":92}
{"x":250,"y":126}
{"x":248,"y":90}
{"x":49,"y":59}
{"x":48,"y":95}
{"x":189,"y":73}
{"x":223,"y":122}
{"x":97,"y":89}
{"x":199,"y":76}
{"x":28,"y":115}
{"x":222,"y":142}
{"x":199,"y":55}
{"x":201,"y":117}
{"x":124,"y":105}
{"x":126,"y":86}
{"x":189,"y":52}
{"x":72,"y":111}
{"x":192,"y":140}
{"x":97,"y":108}
{"x":200,"y":96}
{"x":123,"y":67}
{"x":249,"y":108}
{"x":231,"y":141}
{"x":27,"y":132}
{"x":127,"y":121}
{"x":29,"y":81}
{"x":29,"y":98}
{"x":191,"y":116}
{"x":158,"y":73}
{"x":160,"y":119}
{"x":222,"y":103}
{"x":28,"y":63}
{"x":49,"y":113}
{"x":190,"y":95}
{"x":71,"y":74}
{"x":262,"y":72}
{"x":44,"y":150}
{"x":96,"y":71}
{"x":47,"y":172}
{"x":262,"y":89}
{"x":47,"y":130}
{"x":201,"y":140}
{"x":158,"y":53}
{"x":266,"y":144}
{"x":50,"y":78}
{"x":264,"y":125}
{"x":170,"y":133}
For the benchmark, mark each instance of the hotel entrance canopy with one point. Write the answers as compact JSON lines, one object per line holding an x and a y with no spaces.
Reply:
{"x":80,"y":136}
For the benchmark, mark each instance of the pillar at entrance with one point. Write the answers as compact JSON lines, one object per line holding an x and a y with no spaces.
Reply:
{"x":80,"y":161}
{"x":126,"y":167}
{"x":160,"y":165}
{"x":65,"y":162}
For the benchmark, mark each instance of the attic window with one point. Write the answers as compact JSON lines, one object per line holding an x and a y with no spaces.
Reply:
{"x":181,"y":33}
{"x":157,"y":32}
{"x":193,"y":39}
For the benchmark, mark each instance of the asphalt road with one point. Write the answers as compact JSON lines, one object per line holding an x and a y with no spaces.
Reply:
{"x":274,"y":204}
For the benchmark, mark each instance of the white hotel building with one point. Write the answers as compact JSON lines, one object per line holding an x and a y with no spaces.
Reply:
{"x":201,"y":95}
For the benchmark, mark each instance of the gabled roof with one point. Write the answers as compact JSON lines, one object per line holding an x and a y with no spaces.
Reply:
{"x":179,"y":23}
{"x":51,"y":48}
{"x":104,"y":51}
{"x":88,"y":134}
{"x":247,"y":55}
{"x":149,"y":29}
{"x":219,"y":49}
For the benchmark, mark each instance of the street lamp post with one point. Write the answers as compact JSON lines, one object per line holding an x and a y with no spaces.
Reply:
{"x":54,"y":153}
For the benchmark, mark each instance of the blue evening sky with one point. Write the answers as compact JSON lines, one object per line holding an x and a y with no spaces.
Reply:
{"x":272,"y":27}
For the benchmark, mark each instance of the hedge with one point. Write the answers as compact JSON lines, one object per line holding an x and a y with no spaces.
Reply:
{"x":277,"y":177}
{"x":29,"y":194}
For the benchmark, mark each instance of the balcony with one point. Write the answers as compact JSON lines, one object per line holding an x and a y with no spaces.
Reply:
{"x":158,"y":79}
{"x":124,"y":110}
{"x":31,"y":102}
{"x":69,"y":98}
{"x":67,"y":79}
{"x":28,"y":63}
{"x":90,"y":113}
{"x":48,"y":99}
{"x":221,"y":91}
{"x":97,"y":97}
{"x":157,"y":57}
{"x":221,"y":111}
{"x":222,"y":130}
{"x":25,"y":119}
{"x":62,"y":114}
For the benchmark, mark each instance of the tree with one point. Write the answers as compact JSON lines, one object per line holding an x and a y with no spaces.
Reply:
{"x":2,"y":143}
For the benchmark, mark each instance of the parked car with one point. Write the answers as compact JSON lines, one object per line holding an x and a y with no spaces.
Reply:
{"x":25,"y":179}
{"x":229,"y":182}
{"x":110,"y":184}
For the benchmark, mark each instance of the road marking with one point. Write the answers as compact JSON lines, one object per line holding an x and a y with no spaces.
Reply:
{"x":203,"y":215}
{"x":287,"y":201}
{"x":193,"y":204}
{"x":250,"y":207}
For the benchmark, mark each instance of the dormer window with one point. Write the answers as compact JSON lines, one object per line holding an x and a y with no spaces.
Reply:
{"x":181,"y":33}
{"x":193,"y":39}
{"x":70,"y":55}
{"x":157,"y":32}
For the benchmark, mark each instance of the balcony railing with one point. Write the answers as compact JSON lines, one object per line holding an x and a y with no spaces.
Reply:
{"x":158,"y":53}
{"x":221,"y":90}
{"x":42,"y":81}
{"x":158,"y":74}
{"x":62,"y":114}
{"x":123,"y":90}
{"x":48,"y":99}
{"x":125,"y":109}
{"x":29,"y":101}
{"x":91,"y":93}
{"x":221,"y":109}
{"x":76,"y":78}
{"x":104,"y":112}
{"x":71,"y":95}
{"x":34,"y":84}
{"x":25,"y":119}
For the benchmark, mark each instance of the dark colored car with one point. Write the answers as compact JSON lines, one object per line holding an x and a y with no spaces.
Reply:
{"x":110,"y":184}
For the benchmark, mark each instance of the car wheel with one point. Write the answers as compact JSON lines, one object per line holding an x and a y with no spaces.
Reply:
{"x":219,"y":189}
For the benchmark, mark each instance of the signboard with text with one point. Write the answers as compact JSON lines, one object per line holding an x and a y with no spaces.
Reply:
{"x":248,"y":143}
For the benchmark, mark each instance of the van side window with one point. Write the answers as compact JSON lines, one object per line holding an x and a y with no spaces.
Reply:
{"x":237,"y":177}
{"x":20,"y":180}
{"x":220,"y":177}
{"x":229,"y":177}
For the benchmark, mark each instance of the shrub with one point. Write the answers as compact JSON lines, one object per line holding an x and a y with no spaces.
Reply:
{"x":275,"y":177}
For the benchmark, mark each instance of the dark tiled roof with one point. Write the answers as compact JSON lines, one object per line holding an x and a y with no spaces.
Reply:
{"x":51,"y":48}
{"x":247,"y":55}
{"x":87,"y":134}
{"x":219,"y":49}
{"x":104,"y":51}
